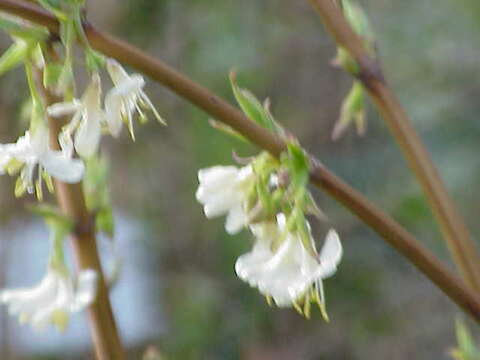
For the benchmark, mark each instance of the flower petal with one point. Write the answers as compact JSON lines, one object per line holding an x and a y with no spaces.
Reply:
{"x":62,"y":168}
{"x":113,"y":110}
{"x":330,"y":254}
{"x":236,"y":219}
{"x":220,"y":203}
{"x":64,"y":108}
{"x":116,"y":71}
{"x":217,"y":176}
{"x":88,"y":134}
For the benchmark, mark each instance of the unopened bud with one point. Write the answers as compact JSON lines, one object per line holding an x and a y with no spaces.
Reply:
{"x":353,"y":110}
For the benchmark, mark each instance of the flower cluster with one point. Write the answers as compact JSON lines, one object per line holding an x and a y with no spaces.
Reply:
{"x":62,"y":143}
{"x":283,"y":264}
{"x":88,"y":116}
{"x":82,"y":132}
{"x":59,"y":293}
{"x":51,"y":301}
{"x":31,"y":150}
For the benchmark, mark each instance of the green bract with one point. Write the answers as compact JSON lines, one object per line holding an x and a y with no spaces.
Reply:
{"x":252,"y":107}
{"x":14,"y":56}
{"x":353,"y":110}
{"x":359,"y":22}
{"x":22,"y":31}
{"x":358,"y":19}
{"x":467,"y":349}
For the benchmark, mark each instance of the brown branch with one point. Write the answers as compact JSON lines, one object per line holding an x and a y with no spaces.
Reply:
{"x":104,"y":331}
{"x":453,"y":228}
{"x":384,"y":225}
{"x":71,"y":200}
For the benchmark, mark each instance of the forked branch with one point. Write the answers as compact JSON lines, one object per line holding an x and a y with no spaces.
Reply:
{"x":383,"y":224}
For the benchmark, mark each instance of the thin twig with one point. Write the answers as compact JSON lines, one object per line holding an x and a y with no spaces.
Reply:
{"x":453,"y":228}
{"x":383,"y":224}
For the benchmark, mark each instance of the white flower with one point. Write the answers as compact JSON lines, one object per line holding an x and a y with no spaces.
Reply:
{"x":53,"y":299}
{"x":224,"y":190}
{"x":287,"y":273}
{"x":87,"y":120}
{"x":31,"y":150}
{"x":125,"y":98}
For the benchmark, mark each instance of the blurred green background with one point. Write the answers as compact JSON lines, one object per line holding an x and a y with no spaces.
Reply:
{"x":192,"y":305}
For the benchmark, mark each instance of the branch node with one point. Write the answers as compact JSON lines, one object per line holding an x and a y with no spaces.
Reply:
{"x":370,"y":72}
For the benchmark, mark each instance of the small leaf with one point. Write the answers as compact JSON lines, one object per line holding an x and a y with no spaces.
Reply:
{"x":353,"y":110}
{"x":299,"y":166}
{"x":19,"y":30}
{"x":467,"y":349}
{"x":251,"y":106}
{"x":226,"y":129}
{"x":14,"y":56}
{"x":358,"y":20}
{"x":464,"y":338}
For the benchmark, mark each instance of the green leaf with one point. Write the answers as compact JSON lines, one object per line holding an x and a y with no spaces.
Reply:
{"x":467,"y":350}
{"x":14,"y":56}
{"x":251,"y":106}
{"x":353,"y":110}
{"x":299,"y":166}
{"x":226,"y":129}
{"x":358,"y":19}
{"x":27,"y":33}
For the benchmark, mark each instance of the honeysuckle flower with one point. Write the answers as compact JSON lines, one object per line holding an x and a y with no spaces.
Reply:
{"x":53,"y":299}
{"x":225,"y":190}
{"x":125,"y":98}
{"x":288,"y":272}
{"x":33,"y":149}
{"x":86,"y":122}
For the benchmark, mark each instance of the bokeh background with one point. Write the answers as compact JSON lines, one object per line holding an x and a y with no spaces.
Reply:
{"x":178,"y":290}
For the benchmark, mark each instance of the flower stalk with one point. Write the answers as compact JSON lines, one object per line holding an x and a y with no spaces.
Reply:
{"x":320,"y":176}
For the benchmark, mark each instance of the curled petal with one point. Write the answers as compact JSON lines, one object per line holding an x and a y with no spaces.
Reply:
{"x":64,"y":108}
{"x":87,"y":136}
{"x":331,"y":254}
